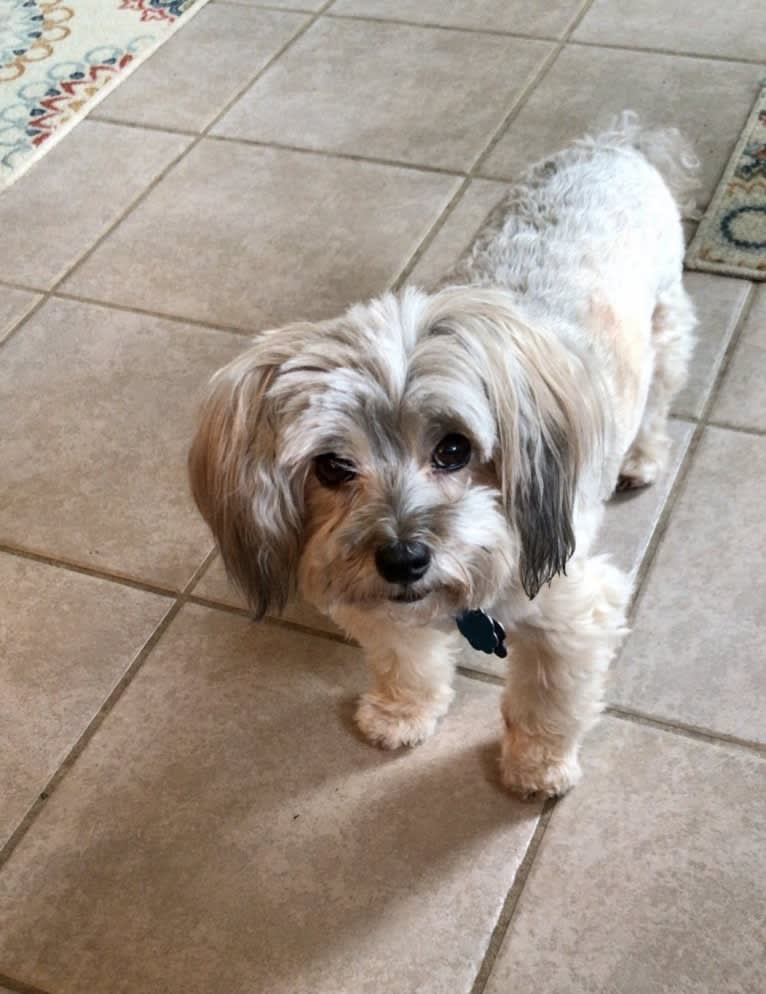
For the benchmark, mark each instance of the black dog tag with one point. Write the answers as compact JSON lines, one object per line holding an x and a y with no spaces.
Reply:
{"x":483,"y":632}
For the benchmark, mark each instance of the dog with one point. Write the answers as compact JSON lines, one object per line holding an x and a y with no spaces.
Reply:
{"x":431,"y":463}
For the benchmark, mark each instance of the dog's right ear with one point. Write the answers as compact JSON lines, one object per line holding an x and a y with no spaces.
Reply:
{"x":253,"y":508}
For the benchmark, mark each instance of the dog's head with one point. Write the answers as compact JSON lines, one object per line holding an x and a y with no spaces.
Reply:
{"x":419,"y":453}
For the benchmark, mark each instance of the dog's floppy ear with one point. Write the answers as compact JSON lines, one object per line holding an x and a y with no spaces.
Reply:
{"x":549,"y":417}
{"x":251,"y":504}
{"x":543,"y":507}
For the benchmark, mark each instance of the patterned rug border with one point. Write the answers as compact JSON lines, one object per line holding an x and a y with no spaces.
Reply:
{"x":706,"y":237}
{"x":104,"y":91}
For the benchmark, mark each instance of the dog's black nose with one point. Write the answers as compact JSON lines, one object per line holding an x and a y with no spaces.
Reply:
{"x":402,"y":562}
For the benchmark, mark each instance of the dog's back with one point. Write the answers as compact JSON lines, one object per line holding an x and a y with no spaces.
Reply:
{"x":603,"y":215}
{"x":590,"y":243}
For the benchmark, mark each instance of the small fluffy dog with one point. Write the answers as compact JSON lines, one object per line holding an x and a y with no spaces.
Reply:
{"x":437,"y":457}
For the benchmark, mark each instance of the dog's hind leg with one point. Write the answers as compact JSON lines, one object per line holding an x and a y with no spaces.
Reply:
{"x":673,"y":325}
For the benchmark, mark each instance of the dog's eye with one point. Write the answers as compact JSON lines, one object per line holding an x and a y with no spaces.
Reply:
{"x":332,"y":470}
{"x":453,"y":452}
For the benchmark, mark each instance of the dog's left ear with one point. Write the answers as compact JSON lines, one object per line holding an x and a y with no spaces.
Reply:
{"x":549,"y":416}
{"x":543,"y":505}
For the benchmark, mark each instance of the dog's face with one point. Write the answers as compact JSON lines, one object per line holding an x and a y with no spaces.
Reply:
{"x":403,"y":506}
{"x":419,"y":454}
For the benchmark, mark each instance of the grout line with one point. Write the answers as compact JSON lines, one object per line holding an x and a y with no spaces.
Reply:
{"x":272,"y":621}
{"x":435,"y":26}
{"x":740,"y":429}
{"x":19,"y":987}
{"x":93,"y":571}
{"x":684,"y":730}
{"x":647,"y":560}
{"x":281,"y":146}
{"x":139,"y":126}
{"x":403,"y":275}
{"x":665,"y":51}
{"x":148,"y":587}
{"x":512,"y":898}
{"x":198,"y":573}
{"x":481,"y":676}
{"x":162,"y":315}
{"x":12,"y":285}
{"x":731,"y":346}
{"x":326,"y":154}
{"x":139,"y":198}
{"x":667,"y":725}
{"x":686,"y":419}
{"x":24,"y":317}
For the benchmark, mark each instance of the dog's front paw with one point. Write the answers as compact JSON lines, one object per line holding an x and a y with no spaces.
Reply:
{"x":392,"y":724}
{"x":533,"y":767}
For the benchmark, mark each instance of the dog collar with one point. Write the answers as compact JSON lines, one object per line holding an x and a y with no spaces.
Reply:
{"x":483,"y":632}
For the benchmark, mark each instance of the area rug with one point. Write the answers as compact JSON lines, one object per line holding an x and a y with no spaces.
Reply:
{"x":59,"y":58}
{"x":731,"y":237}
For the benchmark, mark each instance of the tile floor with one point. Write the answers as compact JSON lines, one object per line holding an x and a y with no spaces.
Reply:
{"x":184,"y":804}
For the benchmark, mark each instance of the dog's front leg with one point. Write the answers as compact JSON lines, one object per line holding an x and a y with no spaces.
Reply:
{"x":558,"y":665}
{"x":413,"y":669}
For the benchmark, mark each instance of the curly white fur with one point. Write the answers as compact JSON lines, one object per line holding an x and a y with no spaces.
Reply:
{"x":554,"y":347}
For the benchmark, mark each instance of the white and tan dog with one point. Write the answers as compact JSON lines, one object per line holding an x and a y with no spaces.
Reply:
{"x":433,"y":456}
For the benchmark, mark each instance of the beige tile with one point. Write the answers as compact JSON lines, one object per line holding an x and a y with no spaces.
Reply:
{"x":65,"y":641}
{"x":526,"y":17}
{"x":201,"y":68}
{"x":64,"y":203}
{"x":457,"y":232}
{"x":226,"y":822}
{"x":631,"y":517}
{"x":719,"y":302}
{"x":709,"y":100}
{"x":418,"y":95}
{"x":649,"y":876}
{"x":696,"y":651}
{"x":736,"y":30}
{"x":214,"y":586}
{"x":98,"y":410}
{"x":14,"y":304}
{"x":277,"y":237}
{"x":742,"y":398}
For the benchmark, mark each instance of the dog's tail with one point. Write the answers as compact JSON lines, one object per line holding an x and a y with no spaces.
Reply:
{"x":669,"y":152}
